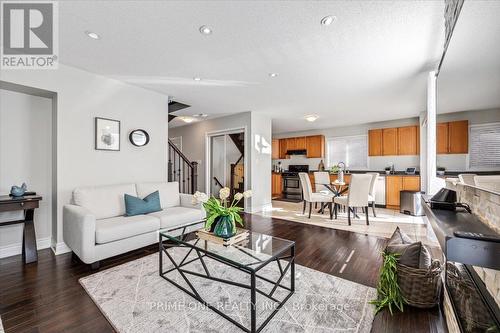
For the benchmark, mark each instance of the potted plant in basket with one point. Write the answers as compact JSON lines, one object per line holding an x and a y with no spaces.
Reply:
{"x":221,"y":212}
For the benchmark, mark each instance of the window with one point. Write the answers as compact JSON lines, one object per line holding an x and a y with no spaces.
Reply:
{"x":484,"y":149}
{"x":352,"y":150}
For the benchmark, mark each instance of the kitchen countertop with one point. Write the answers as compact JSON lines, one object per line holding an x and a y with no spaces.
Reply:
{"x":382,"y":173}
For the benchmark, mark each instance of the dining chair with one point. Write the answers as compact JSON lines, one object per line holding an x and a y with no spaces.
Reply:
{"x":359,"y":188}
{"x":467,"y":178}
{"x":309,"y":196}
{"x":321,"y":178}
{"x":371,"y":194}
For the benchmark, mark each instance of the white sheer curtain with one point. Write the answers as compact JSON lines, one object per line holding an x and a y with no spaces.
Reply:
{"x":484,"y":150}
{"x":352,"y":150}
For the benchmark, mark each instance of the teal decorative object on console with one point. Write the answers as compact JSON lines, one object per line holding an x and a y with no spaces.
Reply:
{"x":18,"y":191}
{"x":225,"y":227}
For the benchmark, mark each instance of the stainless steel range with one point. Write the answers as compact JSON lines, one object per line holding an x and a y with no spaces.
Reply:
{"x":292,"y":190}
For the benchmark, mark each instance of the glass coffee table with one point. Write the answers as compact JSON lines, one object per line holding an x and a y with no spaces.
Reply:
{"x":249,"y":256}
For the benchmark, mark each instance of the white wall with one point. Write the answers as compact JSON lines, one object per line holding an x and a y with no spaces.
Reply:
{"x":81,"y":96}
{"x":193,"y":139}
{"x":261,"y":161}
{"x":25,"y":156}
{"x":257,"y":151}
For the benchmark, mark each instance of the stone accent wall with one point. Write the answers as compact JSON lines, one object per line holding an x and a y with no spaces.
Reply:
{"x":486,"y":206}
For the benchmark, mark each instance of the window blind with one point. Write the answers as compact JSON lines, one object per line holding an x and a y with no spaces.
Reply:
{"x":352,"y":150}
{"x":484,"y":151}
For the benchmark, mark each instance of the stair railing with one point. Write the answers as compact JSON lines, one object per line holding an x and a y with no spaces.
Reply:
{"x":181,"y":169}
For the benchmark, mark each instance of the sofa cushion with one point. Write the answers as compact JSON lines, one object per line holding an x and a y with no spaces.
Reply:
{"x":412,"y":254}
{"x":116,"y":228}
{"x":169,"y":192}
{"x":175,"y":216}
{"x":104,"y":201}
{"x":138,"y":206}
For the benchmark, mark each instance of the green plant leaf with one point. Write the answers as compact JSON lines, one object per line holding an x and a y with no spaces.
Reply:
{"x":388,"y":291}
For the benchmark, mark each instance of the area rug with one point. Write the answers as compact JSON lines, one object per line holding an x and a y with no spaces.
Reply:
{"x":134,"y":298}
{"x":381,"y":226}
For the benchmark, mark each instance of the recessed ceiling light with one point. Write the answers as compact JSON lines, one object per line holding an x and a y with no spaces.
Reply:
{"x":327,"y":20}
{"x":273,"y":74}
{"x":197,"y":78}
{"x":311,"y":117}
{"x":187,"y":119}
{"x":205,"y":30}
{"x":92,"y":35}
{"x":200,"y":115}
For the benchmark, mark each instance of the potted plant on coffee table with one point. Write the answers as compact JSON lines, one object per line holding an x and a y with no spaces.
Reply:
{"x":222,"y":215}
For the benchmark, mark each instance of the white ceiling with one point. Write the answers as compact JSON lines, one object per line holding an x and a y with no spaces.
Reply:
{"x":370,"y":65}
{"x":470,"y":75}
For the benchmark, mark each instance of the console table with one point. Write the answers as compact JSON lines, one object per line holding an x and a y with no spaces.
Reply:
{"x":28,"y":204}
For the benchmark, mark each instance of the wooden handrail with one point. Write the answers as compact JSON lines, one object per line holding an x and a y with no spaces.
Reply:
{"x":177,"y":150}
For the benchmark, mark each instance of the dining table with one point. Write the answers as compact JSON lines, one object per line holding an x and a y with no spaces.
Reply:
{"x":337,"y":188}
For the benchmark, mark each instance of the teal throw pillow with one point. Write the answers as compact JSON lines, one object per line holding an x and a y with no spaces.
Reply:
{"x":138,"y":206}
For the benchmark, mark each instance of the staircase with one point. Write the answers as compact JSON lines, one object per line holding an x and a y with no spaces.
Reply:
{"x":182,"y":170}
{"x":237,"y":169}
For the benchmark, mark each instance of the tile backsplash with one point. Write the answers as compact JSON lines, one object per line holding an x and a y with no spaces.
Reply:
{"x":374,"y":163}
{"x":486,"y":206}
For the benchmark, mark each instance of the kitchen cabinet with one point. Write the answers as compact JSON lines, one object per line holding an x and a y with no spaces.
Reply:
{"x":394,"y":141}
{"x":442,"y":138}
{"x":458,"y":137}
{"x":315,"y":146}
{"x":452,"y":137}
{"x":275,"y":149}
{"x":375,"y":142}
{"x":389,"y":141}
{"x":407,"y":140}
{"x":411,"y":183}
{"x":283,"y":148}
{"x":300,"y":143}
{"x":277,"y":185}
{"x":394,"y":184}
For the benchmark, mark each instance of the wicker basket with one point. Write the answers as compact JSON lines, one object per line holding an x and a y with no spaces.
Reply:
{"x":421,"y":288}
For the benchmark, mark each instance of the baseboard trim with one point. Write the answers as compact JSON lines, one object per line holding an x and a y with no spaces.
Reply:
{"x":17,"y":248}
{"x":60,"y":248}
{"x":260,"y":208}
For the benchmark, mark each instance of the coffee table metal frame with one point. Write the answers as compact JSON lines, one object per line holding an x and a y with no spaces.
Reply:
{"x":286,"y":254}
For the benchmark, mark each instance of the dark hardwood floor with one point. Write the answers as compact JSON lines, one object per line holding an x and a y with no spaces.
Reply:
{"x":46,"y":296}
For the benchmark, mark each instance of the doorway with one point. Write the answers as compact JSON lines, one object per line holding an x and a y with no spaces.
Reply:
{"x":226,"y":166}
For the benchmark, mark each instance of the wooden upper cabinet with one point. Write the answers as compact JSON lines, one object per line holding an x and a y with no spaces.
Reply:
{"x":283,"y":148}
{"x":442,"y":138}
{"x":375,"y":142}
{"x":300,"y":143}
{"x":275,"y":149}
{"x":290,"y":144}
{"x":407,"y":140}
{"x":390,"y":141}
{"x":315,"y":146}
{"x":458,"y":137}
{"x":452,"y":137}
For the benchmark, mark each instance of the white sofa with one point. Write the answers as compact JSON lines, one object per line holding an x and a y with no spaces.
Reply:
{"x":95,"y":226}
